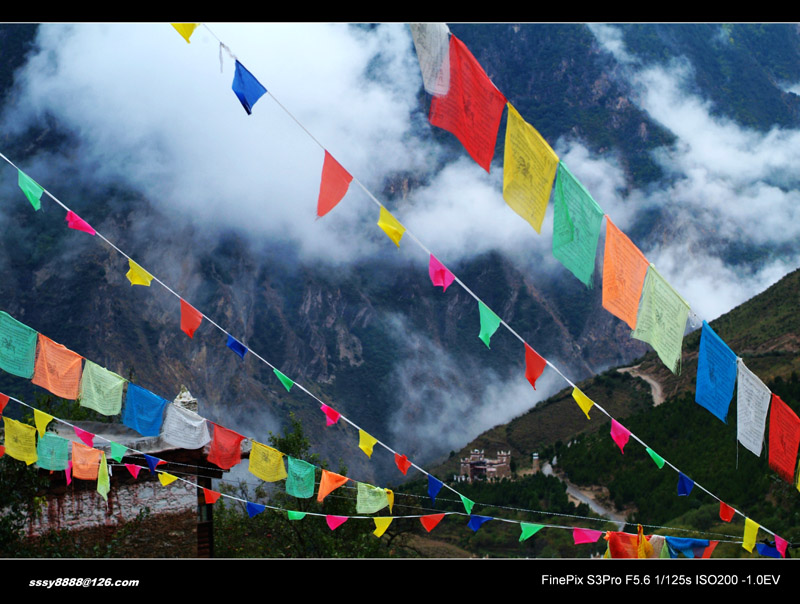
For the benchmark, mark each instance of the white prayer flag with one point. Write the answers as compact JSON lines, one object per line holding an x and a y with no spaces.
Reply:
{"x":752,"y":404}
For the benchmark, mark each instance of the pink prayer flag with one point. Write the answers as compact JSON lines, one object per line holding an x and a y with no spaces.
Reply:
{"x":725,"y":511}
{"x":780,"y":545}
{"x":335,"y":182}
{"x":534,"y":365}
{"x":133,"y":469}
{"x":439,"y":273}
{"x":335,"y":522}
{"x":68,"y":471}
{"x":580,"y":535}
{"x":331,"y":414}
{"x":86,"y":437}
{"x":3,"y":402}
{"x":79,"y":224}
{"x":620,"y":434}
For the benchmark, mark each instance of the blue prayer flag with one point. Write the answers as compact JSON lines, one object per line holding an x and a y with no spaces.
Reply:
{"x":247,"y":88}
{"x":685,"y":484}
{"x":716,"y":374}
{"x":766,"y":550}
{"x":434,"y":486}
{"x":476,"y":522}
{"x":237,"y":346}
{"x":686,"y":546}
{"x":254,"y":509}
{"x":152,"y":462}
{"x":144,"y":411}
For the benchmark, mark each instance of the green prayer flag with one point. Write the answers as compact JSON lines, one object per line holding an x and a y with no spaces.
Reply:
{"x":287,"y":383}
{"x":370,"y":499}
{"x":489,"y":323}
{"x":52,"y":452}
{"x":529,"y":530}
{"x":31,"y":189}
{"x":468,"y":503}
{"x":295,"y":515}
{"x":17,"y":347}
{"x":659,"y":461}
{"x":103,"y":484}
{"x":117,"y":451}
{"x":299,"y":478}
{"x":576,"y":225}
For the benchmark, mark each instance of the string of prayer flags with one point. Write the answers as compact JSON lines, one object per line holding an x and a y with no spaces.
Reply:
{"x":381,"y":524}
{"x":144,"y":411}
{"x":335,"y":522}
{"x":468,"y":504}
{"x":52,"y":452}
{"x":580,"y":535}
{"x":166,"y":479}
{"x":750,"y":534}
{"x":3,"y":402}
{"x":153,"y":462}
{"x":489,"y":323}
{"x":366,"y":442}
{"x":752,"y":405}
{"x":236,"y":346}
{"x":101,"y":389}
{"x":430,"y":521}
{"x":185,"y":429}
{"x":329,"y":483}
{"x":331,"y":415}
{"x":434,"y":486}
{"x":87,"y":438}
{"x":287,"y":383}
{"x":133,"y":469}
{"x":85,"y":461}
{"x":191,"y":318}
{"x":402,"y":463}
{"x":784,"y":438}
{"x":529,"y":530}
{"x":17,"y":347}
{"x":333,"y":185}
{"x":472,"y":108}
{"x":20,"y":440}
{"x":685,"y":484}
{"x":137,"y":275}
{"x":584,"y":402}
{"x":226,"y":448}
{"x":79,"y":224}
{"x":210,"y":496}
{"x":716,"y":374}
{"x":246,"y":88}
{"x":266,"y":463}
{"x":185,"y":29}
{"x":300,"y":478}
{"x":41,"y":419}
{"x":33,"y":191}
{"x":103,"y":481}
{"x":476,"y":522}
{"x":254,"y":509}
{"x":432,"y":44}
{"x":662,"y":319}
{"x":577,"y":220}
{"x":370,"y":499}
{"x":391,"y":226}
{"x":657,"y":459}
{"x":293,"y":515}
{"x":726,"y":512}
{"x":529,"y":166}
{"x":624,"y":271}
{"x":620,"y":434}
{"x":534,"y":365}
{"x":440,"y":275}
{"x":118,"y":451}
{"x":57,"y":369}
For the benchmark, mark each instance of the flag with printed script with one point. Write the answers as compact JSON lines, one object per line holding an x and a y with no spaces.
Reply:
{"x":472,"y":108}
{"x":20,"y":440}
{"x":101,"y":389}
{"x":624,"y":271}
{"x":77,"y":223}
{"x":577,"y":220}
{"x":430,"y":521}
{"x":329,"y":482}
{"x":184,"y":428}
{"x":103,"y":482}
{"x":17,"y":347}
{"x":57,"y":369}
{"x":190,"y":318}
{"x":534,"y":365}
{"x":489,"y":323}
{"x":52,"y":452}
{"x":431,"y":41}
{"x":529,"y":167}
{"x":236,"y":346}
{"x":333,"y":185}
{"x":185,"y":29}
{"x":137,"y":275}
{"x":584,"y":402}
{"x":752,"y":405}
{"x":662,"y":319}
{"x":266,"y":463}
{"x":439,"y":273}
{"x":391,"y":226}
{"x":144,"y":411}
{"x":85,"y":461}
{"x":366,"y":442}
{"x":287,"y":383}
{"x":370,"y":499}
{"x":31,"y":189}
{"x":246,"y":88}
{"x":299,"y":478}
{"x":226,"y":447}
{"x":784,"y":438}
{"x":716,"y":374}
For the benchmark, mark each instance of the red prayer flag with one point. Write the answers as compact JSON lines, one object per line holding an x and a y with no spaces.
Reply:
{"x":472,"y":107}
{"x":707,"y":551}
{"x":3,"y":402}
{"x":2,"y":450}
{"x":534,"y":365}
{"x":402,"y":463}
{"x":190,"y":318}
{"x":335,"y":522}
{"x":780,"y":545}
{"x":335,"y":182}
{"x":79,"y":224}
{"x":430,"y":521}
{"x":226,"y":448}
{"x":211,"y":496}
{"x":784,"y":438}
{"x":332,"y":415}
{"x":133,"y":469}
{"x":726,"y":512}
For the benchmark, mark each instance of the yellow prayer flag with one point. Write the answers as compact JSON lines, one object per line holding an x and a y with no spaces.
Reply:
{"x":185,"y":29}
{"x":266,"y":463}
{"x":381,"y":524}
{"x":529,"y":168}
{"x":20,"y":440}
{"x":584,"y":402}
{"x":164,"y":478}
{"x":390,"y":497}
{"x":391,"y":226}
{"x":41,"y":419}
{"x":137,"y":275}
{"x":366,"y":442}
{"x":750,"y":532}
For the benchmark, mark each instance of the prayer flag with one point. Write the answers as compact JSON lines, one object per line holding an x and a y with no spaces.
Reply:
{"x":468,"y":503}
{"x":335,"y":522}
{"x":20,"y":440}
{"x":580,"y":535}
{"x":266,"y":463}
{"x":752,"y":405}
{"x":3,"y":402}
{"x":153,"y":462}
{"x":103,"y":482}
{"x":190,"y":318}
{"x":784,"y":438}
{"x":620,"y":434}
{"x":137,"y":275}
{"x":662,"y":319}
{"x":101,"y":389}
{"x":287,"y":383}
{"x":185,"y":29}
{"x":41,"y":419}
{"x":584,"y":402}
{"x":529,"y":166}
{"x":226,"y":448}
{"x":85,"y":461}
{"x":780,"y":545}
{"x":489,"y":323}
{"x":68,"y":472}
{"x":246,"y":88}
{"x":624,"y":271}
{"x":254,"y":509}
{"x":118,"y":451}
{"x":292,"y":515}
{"x":402,"y":463}
{"x":390,"y":497}
{"x":430,"y":521}
{"x":79,"y":224}
{"x":366,"y":442}
{"x":237,"y":346}
{"x":439,"y":274}
{"x":685,"y":484}
{"x":687,"y":546}
{"x":657,"y":459}
{"x":433,"y":51}
{"x":434,"y":486}
{"x":476,"y":522}
{"x":329,"y":483}
{"x":750,"y":533}
{"x":52,"y":452}
{"x":144,"y":411}
{"x":529,"y":530}
{"x":17,"y":347}
{"x":716,"y":373}
{"x":184,"y":428}
{"x":472,"y":108}
{"x":370,"y":499}
{"x":726,"y":512}
{"x":133,"y":469}
{"x":210,"y":496}
{"x":381,"y":524}
{"x":333,"y":185}
{"x":331,"y":415}
{"x":58,"y":369}
{"x":31,"y":189}
{"x":577,"y":220}
{"x":86,"y":437}
{"x":165,"y":478}
{"x":766,"y":550}
{"x":534,"y":365}
{"x":300,"y":478}
{"x":391,"y":226}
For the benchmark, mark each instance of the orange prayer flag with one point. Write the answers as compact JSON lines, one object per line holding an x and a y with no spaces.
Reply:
{"x":85,"y":461}
{"x":430,"y":521}
{"x":335,"y":182}
{"x":624,"y":270}
{"x":329,"y":483}
{"x":190,"y":318}
{"x":58,"y":369}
